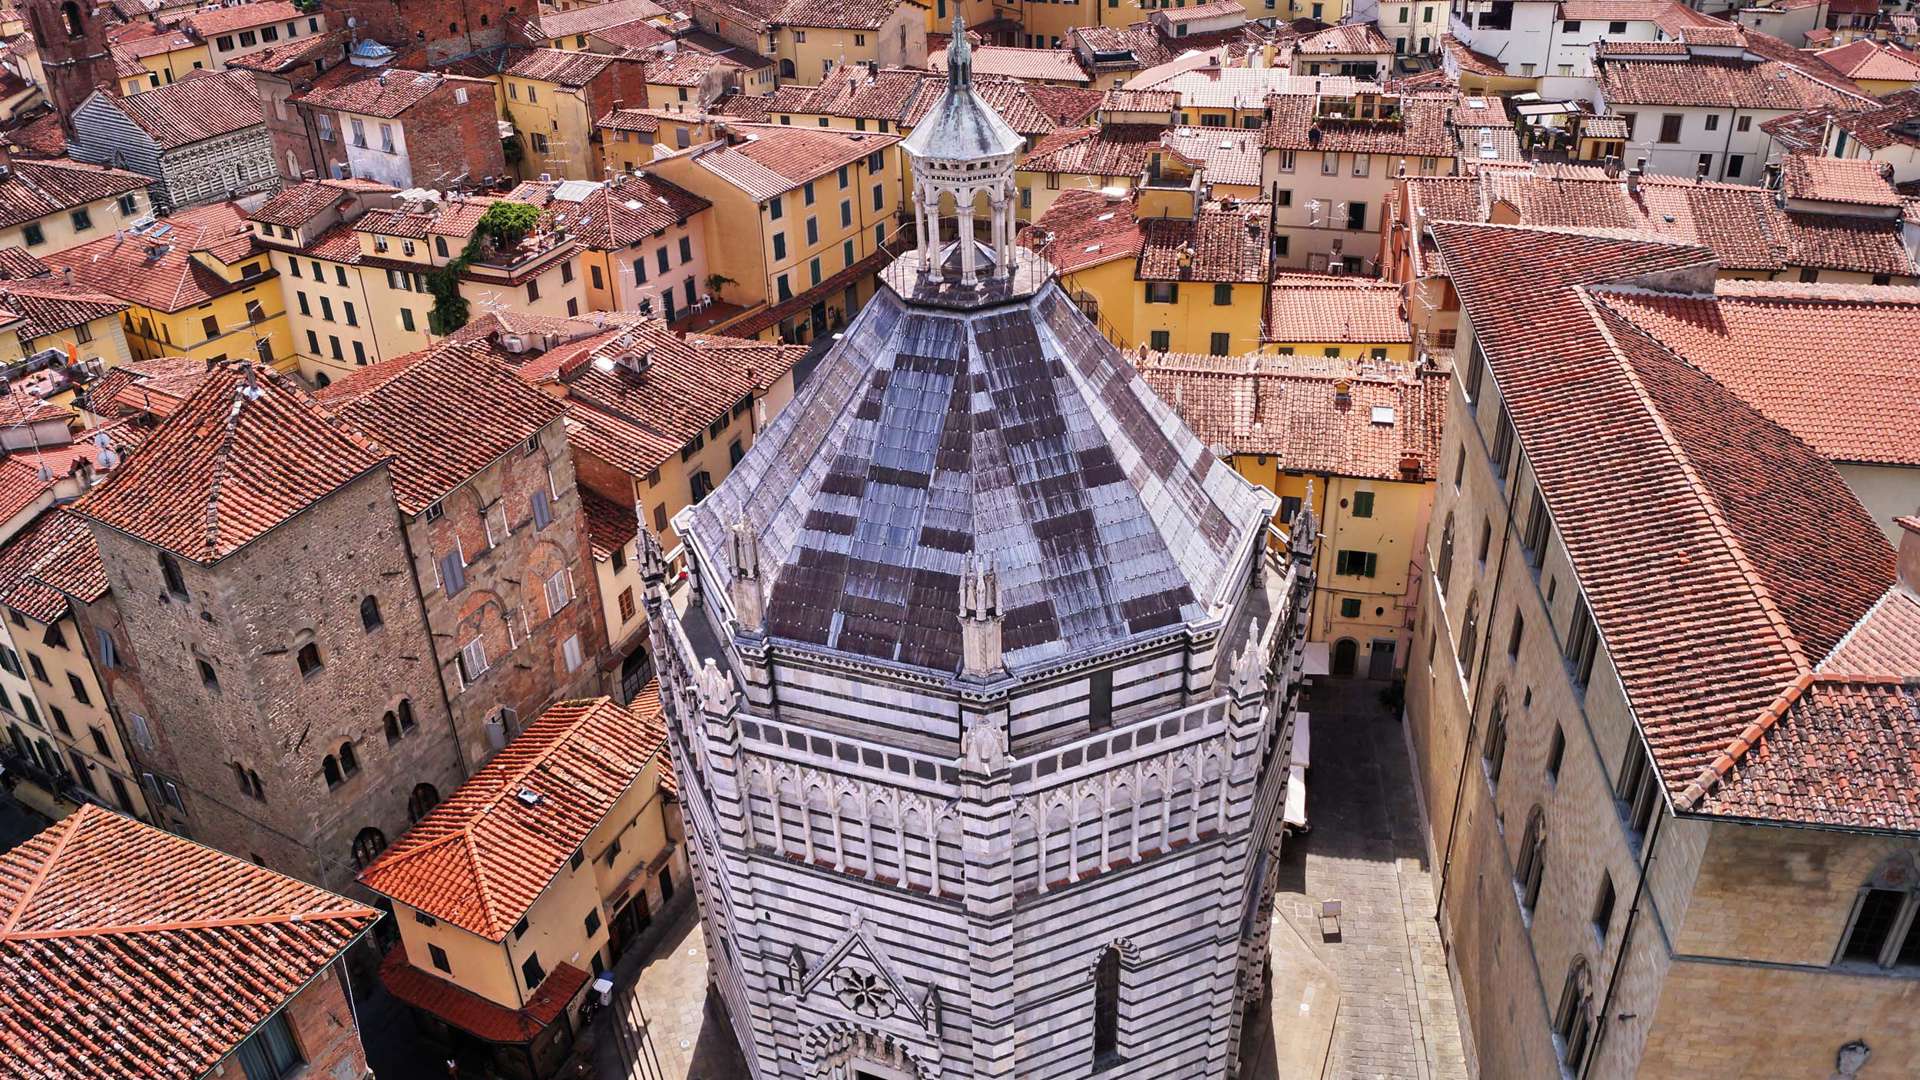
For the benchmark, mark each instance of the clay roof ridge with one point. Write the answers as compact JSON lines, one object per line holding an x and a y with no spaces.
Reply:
{"x":1897,"y":592}
{"x":40,"y":876}
{"x":271,"y":919}
{"x":1711,"y":773}
{"x":1697,"y":484}
{"x":488,"y":906}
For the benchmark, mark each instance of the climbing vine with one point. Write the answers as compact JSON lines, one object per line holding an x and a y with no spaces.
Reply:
{"x":503,"y":225}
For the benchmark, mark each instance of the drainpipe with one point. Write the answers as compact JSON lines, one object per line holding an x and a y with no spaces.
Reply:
{"x":1479,"y":679}
{"x":1626,"y":939}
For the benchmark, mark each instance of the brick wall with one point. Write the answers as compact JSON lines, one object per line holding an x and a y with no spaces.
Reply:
{"x":624,"y":81}
{"x":286,"y":127}
{"x":246,"y":617}
{"x":324,"y":1026}
{"x":448,"y":140}
{"x":448,"y":28}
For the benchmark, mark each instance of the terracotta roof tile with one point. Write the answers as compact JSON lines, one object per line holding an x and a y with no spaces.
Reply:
{"x":1085,"y":228}
{"x":634,"y":36}
{"x":1305,"y":307}
{"x":56,"y":535}
{"x":1057,"y":65}
{"x":444,"y":414}
{"x":1764,"y":559}
{"x":112,"y":931}
{"x":201,"y":106}
{"x":1842,"y":180}
{"x":1213,"y":9}
{"x":1288,"y":407}
{"x":34,"y":189}
{"x":384,"y":92}
{"x":618,"y":214}
{"x":1107,"y":150}
{"x":1887,"y":639}
{"x":1218,"y":245}
{"x":1865,"y":58}
{"x":1231,"y":156}
{"x":611,"y":526}
{"x":234,"y":461}
{"x":1299,"y":122}
{"x":590,"y":18}
{"x":1345,"y":39}
{"x":839,"y":14}
{"x":564,"y":67}
{"x":301,"y":201}
{"x":289,"y":55}
{"x":49,"y":306}
{"x":1133,"y":47}
{"x":223,"y":20}
{"x":1066,"y":105}
{"x":17,"y":263}
{"x":1892,"y":122}
{"x":474,"y":1014}
{"x":777,"y":158}
{"x":483,"y":856}
{"x":1722,"y":82}
{"x":687,"y":67}
{"x":122,"y":265}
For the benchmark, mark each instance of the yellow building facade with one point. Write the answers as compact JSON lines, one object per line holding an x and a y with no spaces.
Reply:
{"x":49,"y":206}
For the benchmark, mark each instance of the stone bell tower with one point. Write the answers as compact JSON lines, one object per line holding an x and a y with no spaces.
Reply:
{"x":72,"y":38}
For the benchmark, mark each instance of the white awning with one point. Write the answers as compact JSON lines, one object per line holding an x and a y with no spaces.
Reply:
{"x":1302,"y":740}
{"x":1318,"y":660}
{"x":1296,"y":815}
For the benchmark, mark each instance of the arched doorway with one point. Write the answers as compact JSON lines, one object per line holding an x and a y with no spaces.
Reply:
{"x":1346,"y":656}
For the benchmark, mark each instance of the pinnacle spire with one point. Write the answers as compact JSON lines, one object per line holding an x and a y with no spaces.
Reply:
{"x":959,"y":56}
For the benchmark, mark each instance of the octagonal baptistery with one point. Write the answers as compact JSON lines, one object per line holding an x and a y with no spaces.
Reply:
{"x":979,"y":683}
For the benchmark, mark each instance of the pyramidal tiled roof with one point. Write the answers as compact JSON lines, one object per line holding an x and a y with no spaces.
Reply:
{"x":1012,"y":432}
{"x":247,"y":451}
{"x":483,"y":856}
{"x":128,"y":953}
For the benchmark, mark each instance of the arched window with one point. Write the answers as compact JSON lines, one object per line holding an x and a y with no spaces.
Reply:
{"x":1573,"y":1023}
{"x":331,"y":770}
{"x":1533,"y":859}
{"x":1106,"y":1008}
{"x":367,"y":846}
{"x":240,"y":777}
{"x":70,"y":14}
{"x":424,"y":798}
{"x":309,"y":658}
{"x":405,"y":712}
{"x":1469,"y":636}
{"x":253,"y":782}
{"x":370,"y":613}
{"x":1443,"y":568}
{"x":392,"y":725}
{"x":1493,"y":749}
{"x":1884,"y":928}
{"x":786,"y":69}
{"x":349,"y":761}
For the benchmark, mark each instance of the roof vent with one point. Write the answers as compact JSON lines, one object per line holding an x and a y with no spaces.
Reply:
{"x":527,"y":797}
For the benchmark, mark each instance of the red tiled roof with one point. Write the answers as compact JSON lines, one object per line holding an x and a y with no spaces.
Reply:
{"x":589,"y":18}
{"x":1288,"y":407}
{"x":1140,"y":43}
{"x":33,"y":189}
{"x":128,"y":953}
{"x":1881,"y":127}
{"x":635,"y":35}
{"x":202,"y":105}
{"x":20,"y":487}
{"x":839,"y":14}
{"x":1831,"y":363}
{"x":482,"y":857}
{"x":234,"y":461}
{"x":1887,"y":639}
{"x":1345,"y":39}
{"x":1107,"y":150}
{"x":212,"y":21}
{"x":17,"y":263}
{"x":1230,"y":156}
{"x":299,"y":202}
{"x":620,"y":212}
{"x":1085,"y":228}
{"x":42,"y":137}
{"x":1842,"y":180}
{"x":563,"y":67}
{"x":154,"y":388}
{"x":18,"y":407}
{"x":1218,"y":245}
{"x":1213,"y":9}
{"x":384,"y":92}
{"x":1763,"y":558}
{"x":291,"y":54}
{"x":1304,"y":307}
{"x":1058,"y":65}
{"x":49,"y":306}
{"x":778,"y":158}
{"x":611,"y":526}
{"x":1294,"y":124}
{"x":1470,"y":62}
{"x":1066,"y":105}
{"x":1865,"y":58}
{"x":1723,"y":82}
{"x":120,"y":265}
{"x":687,"y":67}
{"x":57,"y":536}
{"x":444,"y":414}
{"x":474,"y":1014}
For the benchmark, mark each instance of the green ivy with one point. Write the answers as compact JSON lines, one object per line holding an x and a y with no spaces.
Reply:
{"x":503,"y":225}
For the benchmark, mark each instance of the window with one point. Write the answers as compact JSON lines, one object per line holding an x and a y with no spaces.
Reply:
{"x":779,"y":245}
{"x":82,"y":220}
{"x":1713,"y":121}
{"x":1743,"y":123}
{"x":1670,"y":127}
{"x":32,"y":233}
{"x":1363,"y":504}
{"x":1503,"y":439}
{"x":570,"y":650}
{"x":367,"y":846}
{"x":106,"y":652}
{"x":1736,"y":164}
{"x":1443,"y":565}
{"x":686,"y":249}
{"x":1106,"y":1009}
{"x":592,"y":922}
{"x":1539,"y":525}
{"x":542,"y":509}
{"x":1514,"y":637}
{"x":1556,"y":750}
{"x":1486,"y":539}
{"x":1223,"y":294}
{"x":453,"y":570}
{"x":1638,"y":793}
{"x":1705,"y":164}
{"x":39,"y":669}
{"x":1572,"y":26}
{"x":1219,"y":343}
{"x":269,"y":1053}
{"x":170,"y":574}
{"x":208,"y":678}
{"x":1350,"y":608}
{"x":1533,"y":860}
{"x":309,"y":660}
{"x":1162,"y":292}
{"x":330,"y":771}
{"x":1603,"y":908}
{"x":1469,"y":635}
{"x":1583,"y":643}
{"x":1356,"y":563}
{"x":1493,"y":749}
{"x":774,"y":209}
{"x":349,"y":761}
{"x":1476,"y":367}
{"x":1882,"y":929}
{"x":473,"y":660}
{"x":533,"y":289}
{"x":531,"y":971}
{"x":1573,"y":1022}
{"x":391,"y":724}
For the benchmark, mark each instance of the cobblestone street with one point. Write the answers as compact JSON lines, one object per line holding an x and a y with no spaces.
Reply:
{"x":1396,"y":1016}
{"x":685,"y":1036}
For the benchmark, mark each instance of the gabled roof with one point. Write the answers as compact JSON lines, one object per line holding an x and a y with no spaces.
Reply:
{"x":33,"y":189}
{"x":128,"y":953}
{"x":564,"y":67}
{"x":49,"y":306}
{"x":1310,"y":307}
{"x":17,"y":262}
{"x":1108,"y":150}
{"x":224,"y":20}
{"x":1219,"y":244}
{"x":1841,"y":180}
{"x":1296,"y":122}
{"x":248,"y":451}
{"x":1865,"y":58}
{"x":1290,"y":407}
{"x":777,"y":158}
{"x":443,"y":413}
{"x":1725,"y":82}
{"x":840,"y":14}
{"x":202,"y":105}
{"x":301,"y":201}
{"x":386,"y":92}
{"x":56,"y":537}
{"x":1058,"y":65}
{"x":1345,"y":39}
{"x":483,"y":856}
{"x":123,"y":265}
{"x":588,"y":18}
{"x":1751,"y":557}
{"x":1831,"y":363}
{"x":1083,"y":228}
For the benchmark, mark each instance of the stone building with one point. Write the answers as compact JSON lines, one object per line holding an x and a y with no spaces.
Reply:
{"x":974,"y":690}
{"x":202,"y":139}
{"x":71,"y":40}
{"x":274,"y":660}
{"x":1662,"y":693}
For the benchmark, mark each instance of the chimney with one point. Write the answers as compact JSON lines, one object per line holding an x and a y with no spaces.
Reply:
{"x":979,"y":619}
{"x":1633,"y":178}
{"x":1909,"y":554}
{"x":66,"y":275}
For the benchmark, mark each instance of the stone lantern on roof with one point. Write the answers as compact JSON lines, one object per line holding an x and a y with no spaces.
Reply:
{"x":963,"y":149}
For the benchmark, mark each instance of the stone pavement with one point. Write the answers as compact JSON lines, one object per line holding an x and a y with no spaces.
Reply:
{"x":1397,"y":1017}
{"x":664,"y":1028}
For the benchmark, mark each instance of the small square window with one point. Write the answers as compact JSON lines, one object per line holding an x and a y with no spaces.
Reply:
{"x":439,"y":957}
